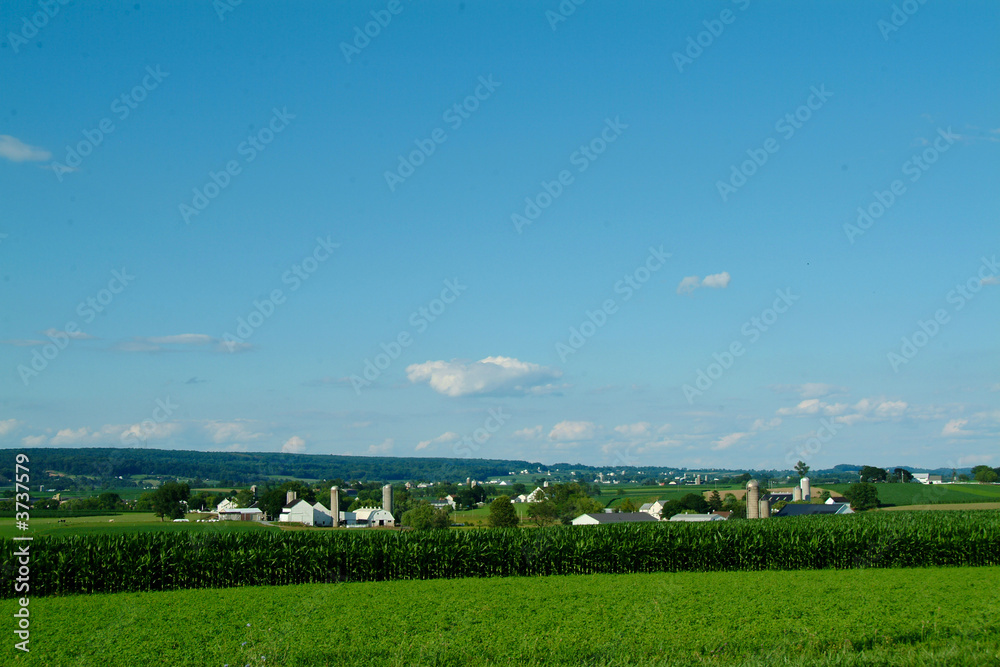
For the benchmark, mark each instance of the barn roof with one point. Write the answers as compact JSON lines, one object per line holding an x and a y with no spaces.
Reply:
{"x":622,"y":517}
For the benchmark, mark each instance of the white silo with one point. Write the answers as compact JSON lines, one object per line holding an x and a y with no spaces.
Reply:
{"x":387,"y":498}
{"x":753,"y":499}
{"x":335,"y":505}
{"x":804,"y":485}
{"x":796,"y":493}
{"x":765,"y":508}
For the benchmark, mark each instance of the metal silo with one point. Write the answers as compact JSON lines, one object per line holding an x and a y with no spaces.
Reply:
{"x":806,"y":492}
{"x":765,"y":508}
{"x":335,"y":505}
{"x":796,"y":493}
{"x":387,"y":498}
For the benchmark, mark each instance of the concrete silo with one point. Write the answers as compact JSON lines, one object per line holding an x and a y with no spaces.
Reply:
{"x":753,"y":499}
{"x":335,"y":505}
{"x":765,"y":508}
{"x":796,"y":493}
{"x":806,"y":492}
{"x":387,"y":498}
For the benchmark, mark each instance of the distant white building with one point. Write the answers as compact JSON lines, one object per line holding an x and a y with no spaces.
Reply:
{"x":616,"y":517}
{"x":927,"y":478}
{"x":241,"y":514}
{"x":697,"y":517}
{"x":373,"y":516}
{"x":653,"y":509}
{"x":226,"y":505}
{"x":535,"y":496}
{"x":301,"y":511}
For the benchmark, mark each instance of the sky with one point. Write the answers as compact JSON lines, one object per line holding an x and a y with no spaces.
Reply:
{"x":716,"y":234}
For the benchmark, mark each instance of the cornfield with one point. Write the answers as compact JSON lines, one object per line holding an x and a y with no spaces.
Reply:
{"x":166,"y":561}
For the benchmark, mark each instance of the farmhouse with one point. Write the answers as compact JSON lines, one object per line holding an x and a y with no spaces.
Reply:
{"x":615,"y":517}
{"x":803,"y":510}
{"x":535,"y":496}
{"x":653,"y":509}
{"x":927,"y":478}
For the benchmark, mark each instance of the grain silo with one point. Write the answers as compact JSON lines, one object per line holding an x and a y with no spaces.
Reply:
{"x":387,"y":498}
{"x":753,"y":499}
{"x":765,"y":508}
{"x":796,"y":493}
{"x":335,"y":505}
{"x":806,"y":492}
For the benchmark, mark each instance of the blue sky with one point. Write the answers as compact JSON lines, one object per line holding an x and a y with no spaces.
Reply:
{"x":697,"y":168}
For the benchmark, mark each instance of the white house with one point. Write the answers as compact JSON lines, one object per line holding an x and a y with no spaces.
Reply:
{"x":226,"y":505}
{"x":451,"y":501}
{"x":653,"y":509}
{"x":535,"y":496}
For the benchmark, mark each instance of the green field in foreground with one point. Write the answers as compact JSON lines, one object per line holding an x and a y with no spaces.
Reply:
{"x":859,"y":617}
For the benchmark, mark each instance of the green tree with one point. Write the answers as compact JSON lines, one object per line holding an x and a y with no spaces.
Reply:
{"x":873,"y":474}
{"x":109,"y":501}
{"x":862,"y":495}
{"x":627,"y":506}
{"x":502,"y":513}
{"x":714,"y":501}
{"x":802,"y":469}
{"x":670,"y":508}
{"x":903,"y":474}
{"x":543,"y":513}
{"x":695,"y":502}
{"x":987,"y":476}
{"x":168,"y":500}
{"x":426,"y":517}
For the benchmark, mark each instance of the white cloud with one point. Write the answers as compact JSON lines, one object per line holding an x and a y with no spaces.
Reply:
{"x":449,"y":436}
{"x":383,"y":448}
{"x":151,"y":430}
{"x":181,"y":339}
{"x":714,"y":281}
{"x":567,"y":430}
{"x":16,"y":150}
{"x":765,"y":425}
{"x":7,"y":425}
{"x":76,"y":335}
{"x":492,"y":375}
{"x":990,"y":280}
{"x":954,"y":428}
{"x":637,"y":429}
{"x":727,"y":441}
{"x":293,"y":445}
{"x":221,"y":432}
{"x":813,"y":406}
{"x":33,"y":440}
{"x":22,"y":342}
{"x":179,"y":342}
{"x":532,"y":433}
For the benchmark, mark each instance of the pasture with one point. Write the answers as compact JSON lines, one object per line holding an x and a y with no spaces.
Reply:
{"x":929,"y":494}
{"x":122,"y":524}
{"x":859,"y":617}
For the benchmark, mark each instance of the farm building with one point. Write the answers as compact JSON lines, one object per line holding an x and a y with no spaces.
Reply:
{"x":803,"y":510}
{"x":652,"y":509}
{"x":301,"y":511}
{"x":372,"y":516}
{"x":225,"y":505}
{"x":697,"y":517}
{"x":773,"y":498}
{"x":927,"y":478}
{"x":835,"y":499}
{"x":440,"y":503}
{"x":615,"y":517}
{"x":241,"y":514}
{"x":535,"y":496}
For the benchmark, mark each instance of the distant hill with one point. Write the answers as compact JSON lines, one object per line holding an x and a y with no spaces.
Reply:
{"x":254,"y":467}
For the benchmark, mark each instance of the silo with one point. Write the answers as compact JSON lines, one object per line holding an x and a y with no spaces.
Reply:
{"x":387,"y":498}
{"x":335,"y":505}
{"x":289,"y":497}
{"x":796,"y":493}
{"x":806,"y":493}
{"x":765,"y":508}
{"x":753,"y":499}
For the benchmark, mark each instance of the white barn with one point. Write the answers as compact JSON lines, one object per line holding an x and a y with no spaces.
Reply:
{"x":300,"y":511}
{"x":241,"y":514}
{"x":373,"y":516}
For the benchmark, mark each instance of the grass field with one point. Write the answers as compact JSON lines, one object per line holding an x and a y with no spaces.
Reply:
{"x":927,"y":494}
{"x":861,"y":617}
{"x":123,"y":523}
